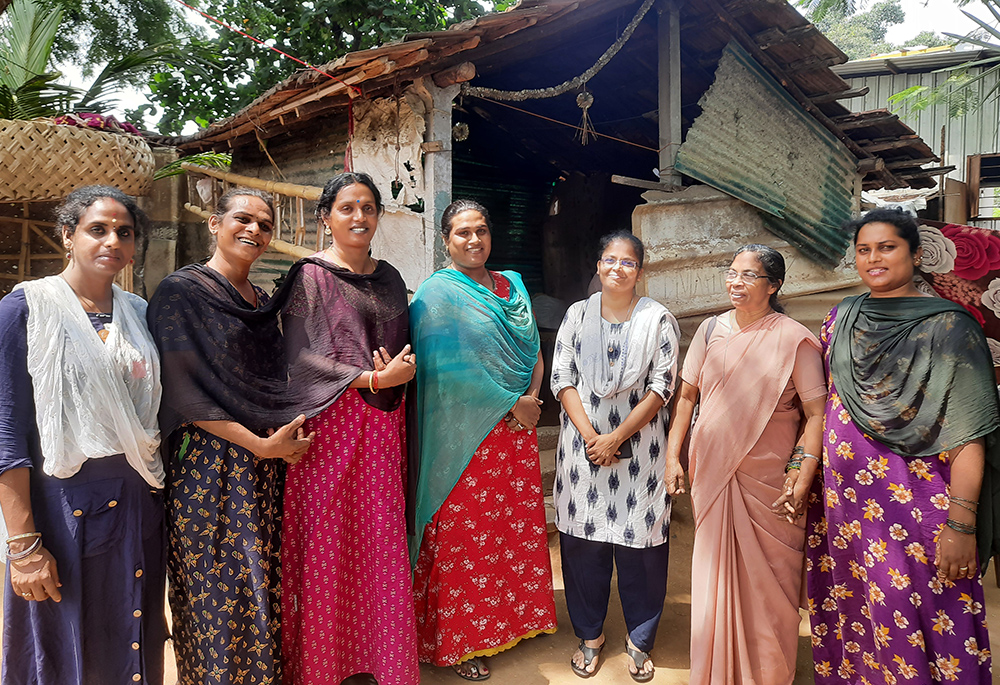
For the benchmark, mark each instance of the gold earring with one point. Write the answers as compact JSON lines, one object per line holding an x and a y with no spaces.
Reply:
{"x":327,"y":230}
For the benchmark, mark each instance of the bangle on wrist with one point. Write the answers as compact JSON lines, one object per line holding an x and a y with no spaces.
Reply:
{"x":964,"y":506}
{"x":959,"y":527}
{"x":806,"y":455}
{"x":373,"y":382}
{"x":23,"y":536}
{"x":24,"y":554}
{"x":794,"y":464}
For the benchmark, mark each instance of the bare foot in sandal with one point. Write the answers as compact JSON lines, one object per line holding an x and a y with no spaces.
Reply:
{"x":640,"y":665}
{"x":474,"y":669}
{"x":585,"y":664}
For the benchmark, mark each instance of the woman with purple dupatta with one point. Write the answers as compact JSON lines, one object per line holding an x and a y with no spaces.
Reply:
{"x":908,"y":478}
{"x":347,"y":606}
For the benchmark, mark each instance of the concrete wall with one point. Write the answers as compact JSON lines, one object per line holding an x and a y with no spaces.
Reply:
{"x":690,"y":238}
{"x":164,"y":206}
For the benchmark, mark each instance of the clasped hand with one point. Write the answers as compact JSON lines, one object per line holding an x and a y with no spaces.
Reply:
{"x":603,"y":449}
{"x":525,"y":413}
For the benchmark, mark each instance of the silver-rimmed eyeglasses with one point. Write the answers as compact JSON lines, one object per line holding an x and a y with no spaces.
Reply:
{"x":748,"y":277}
{"x":628,"y":264}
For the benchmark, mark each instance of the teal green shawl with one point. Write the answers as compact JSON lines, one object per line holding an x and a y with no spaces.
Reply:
{"x":475,"y":354}
{"x":916,"y":374}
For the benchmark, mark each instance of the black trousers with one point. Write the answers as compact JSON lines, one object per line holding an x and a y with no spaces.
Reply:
{"x":642,"y":586}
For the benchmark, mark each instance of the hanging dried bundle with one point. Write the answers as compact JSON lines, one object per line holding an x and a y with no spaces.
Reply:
{"x":584,"y":101}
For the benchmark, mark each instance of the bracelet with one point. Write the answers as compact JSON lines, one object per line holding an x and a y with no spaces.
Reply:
{"x":798,"y":450}
{"x":956,"y":498}
{"x":794,"y":464}
{"x":375,"y":377}
{"x":960,"y":527}
{"x":806,"y":455}
{"x":964,"y":506}
{"x":23,"y":536}
{"x":18,"y":556}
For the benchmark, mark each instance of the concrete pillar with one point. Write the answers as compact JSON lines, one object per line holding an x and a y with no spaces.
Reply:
{"x":437,"y":149}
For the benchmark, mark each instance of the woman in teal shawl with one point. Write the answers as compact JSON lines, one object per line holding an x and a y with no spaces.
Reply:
{"x":909,"y":476}
{"x":482,"y":578}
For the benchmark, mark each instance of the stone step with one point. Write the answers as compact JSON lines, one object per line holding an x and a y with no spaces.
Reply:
{"x":548,"y":437}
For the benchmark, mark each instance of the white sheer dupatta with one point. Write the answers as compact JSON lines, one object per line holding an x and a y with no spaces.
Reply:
{"x":93,"y":398}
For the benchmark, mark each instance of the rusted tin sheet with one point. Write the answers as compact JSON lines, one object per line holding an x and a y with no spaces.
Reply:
{"x":756,"y":143}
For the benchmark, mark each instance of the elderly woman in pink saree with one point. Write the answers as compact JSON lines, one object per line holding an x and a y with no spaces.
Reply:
{"x":760,"y":378}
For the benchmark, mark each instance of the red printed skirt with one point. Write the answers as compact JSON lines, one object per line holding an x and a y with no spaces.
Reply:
{"x":483,"y":580}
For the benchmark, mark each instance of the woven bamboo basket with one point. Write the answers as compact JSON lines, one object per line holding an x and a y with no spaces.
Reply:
{"x":45,"y":161}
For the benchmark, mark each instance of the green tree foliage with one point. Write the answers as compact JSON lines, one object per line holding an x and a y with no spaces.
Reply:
{"x":860,"y":34}
{"x":928,"y":39}
{"x":29,"y":86}
{"x":317,"y":31}
{"x":98,"y":31}
{"x":962,"y":92}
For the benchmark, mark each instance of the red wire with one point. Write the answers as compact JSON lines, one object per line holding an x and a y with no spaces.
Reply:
{"x":257,"y":40}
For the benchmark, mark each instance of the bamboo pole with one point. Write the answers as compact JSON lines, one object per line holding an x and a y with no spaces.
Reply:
{"x":291,"y":250}
{"x":276,"y":187}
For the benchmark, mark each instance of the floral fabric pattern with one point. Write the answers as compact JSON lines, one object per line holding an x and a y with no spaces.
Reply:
{"x":346,"y":604}
{"x":224,"y":524}
{"x":483,"y":580}
{"x":878,"y":612}
{"x":962,"y":264}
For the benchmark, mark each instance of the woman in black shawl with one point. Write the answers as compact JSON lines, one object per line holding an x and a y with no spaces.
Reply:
{"x":908,"y":478}
{"x":224,"y":390}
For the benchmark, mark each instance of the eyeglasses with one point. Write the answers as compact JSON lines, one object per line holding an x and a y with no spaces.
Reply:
{"x":627,"y":264}
{"x":748,"y":277}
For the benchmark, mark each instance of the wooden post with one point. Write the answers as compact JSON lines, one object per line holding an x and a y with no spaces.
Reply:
{"x":669,"y":75}
{"x":24,"y":263}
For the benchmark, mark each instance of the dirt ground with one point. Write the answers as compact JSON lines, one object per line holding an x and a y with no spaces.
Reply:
{"x":544,"y":660}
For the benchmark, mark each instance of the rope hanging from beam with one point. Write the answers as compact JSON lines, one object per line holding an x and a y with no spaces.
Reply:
{"x":571,"y":84}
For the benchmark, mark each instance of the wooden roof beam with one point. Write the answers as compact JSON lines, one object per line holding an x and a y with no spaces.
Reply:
{"x":847,"y":123}
{"x":924,"y":173}
{"x":840,"y":95}
{"x":812,"y":63}
{"x":768,"y":63}
{"x":775,"y":36}
{"x":905,"y":163}
{"x":898,"y":144}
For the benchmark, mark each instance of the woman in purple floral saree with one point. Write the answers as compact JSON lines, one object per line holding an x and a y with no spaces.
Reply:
{"x":909,"y":467}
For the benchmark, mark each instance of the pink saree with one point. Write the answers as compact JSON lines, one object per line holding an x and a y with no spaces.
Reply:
{"x":747,"y":561}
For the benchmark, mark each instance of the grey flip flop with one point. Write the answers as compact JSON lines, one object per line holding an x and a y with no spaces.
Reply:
{"x":639,"y":659}
{"x":589,"y":654}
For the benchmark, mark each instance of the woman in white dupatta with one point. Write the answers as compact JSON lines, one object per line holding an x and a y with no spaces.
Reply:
{"x":80,"y":476}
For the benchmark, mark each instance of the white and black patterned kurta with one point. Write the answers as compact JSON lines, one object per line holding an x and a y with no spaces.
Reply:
{"x":627,"y":503}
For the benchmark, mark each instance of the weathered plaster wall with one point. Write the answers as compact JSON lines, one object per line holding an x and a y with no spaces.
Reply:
{"x":690,"y":237}
{"x":164,"y":206}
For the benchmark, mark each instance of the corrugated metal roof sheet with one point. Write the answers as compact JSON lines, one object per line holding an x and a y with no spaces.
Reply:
{"x":788,"y":166}
{"x":976,"y":132}
{"x":909,"y":64}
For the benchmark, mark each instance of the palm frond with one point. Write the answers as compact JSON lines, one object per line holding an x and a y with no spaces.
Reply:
{"x":40,"y":96}
{"x":101,"y":93}
{"x":29,"y":31}
{"x":217,"y":160}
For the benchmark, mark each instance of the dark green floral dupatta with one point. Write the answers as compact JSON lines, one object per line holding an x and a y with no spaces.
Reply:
{"x":915,"y":373}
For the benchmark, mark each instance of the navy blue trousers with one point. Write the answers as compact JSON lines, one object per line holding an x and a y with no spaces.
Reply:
{"x":642,"y":586}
